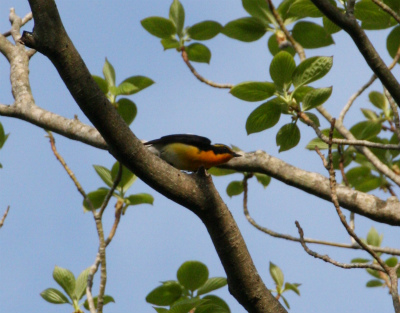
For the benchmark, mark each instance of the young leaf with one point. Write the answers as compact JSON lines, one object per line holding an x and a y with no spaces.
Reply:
{"x":316,"y":97}
{"x":311,"y":70}
{"x":263,"y":179}
{"x":166,"y":294}
{"x":198,"y":52}
{"x":366,"y":130}
{"x":140,"y":82}
{"x":234,"y":188}
{"x":253,"y":91}
{"x":126,"y":89}
{"x":192,"y":275}
{"x":276,"y":274}
{"x":373,"y":238}
{"x":311,"y":35}
{"x":360,"y":260}
{"x":304,"y":8}
{"x":263,"y":117}
{"x":214,"y":300}
{"x":127,"y":109}
{"x":81,"y":283}
{"x":288,"y":137}
{"x":259,"y":9}
{"x":204,"y":30}
{"x":159,"y":26}
{"x":293,"y":287}
{"x":66,"y":280}
{"x":212,"y":284}
{"x":281,"y":70}
{"x":170,"y":43}
{"x":317,"y":142}
{"x":186,"y":305}
{"x":140,"y":198}
{"x":378,"y":100}
{"x":109,"y":73}
{"x":285,"y":301}
{"x":104,"y":174}
{"x":177,"y":15}
{"x":96,"y":199}
{"x":54,"y":296}
{"x":127,"y":177}
{"x":392,"y":261}
{"x":245,"y":29}
{"x":216,"y":171}
{"x":106,"y":299}
{"x":374,"y":283}
{"x":101,"y":82}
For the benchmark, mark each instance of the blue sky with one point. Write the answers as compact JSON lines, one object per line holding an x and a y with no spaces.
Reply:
{"x":46,"y":225}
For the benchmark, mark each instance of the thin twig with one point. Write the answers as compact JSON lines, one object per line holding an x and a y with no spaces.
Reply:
{"x":111,"y":191}
{"x":198,"y":76}
{"x":395,"y":113}
{"x":364,"y":87}
{"x":4,"y":217}
{"x":387,"y":9}
{"x":272,"y":233}
{"x":299,"y":49}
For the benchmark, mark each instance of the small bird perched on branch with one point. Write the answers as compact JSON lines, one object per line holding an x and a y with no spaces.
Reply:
{"x":190,"y":152}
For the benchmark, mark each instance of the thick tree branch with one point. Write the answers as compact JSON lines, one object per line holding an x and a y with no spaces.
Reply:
{"x":371,"y":56}
{"x":195,"y":192}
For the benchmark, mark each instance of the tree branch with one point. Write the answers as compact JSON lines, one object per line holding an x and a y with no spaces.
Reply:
{"x":371,"y":56}
{"x":197,"y":193}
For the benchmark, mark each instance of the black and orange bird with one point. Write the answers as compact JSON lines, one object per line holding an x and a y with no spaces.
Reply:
{"x":190,"y":152}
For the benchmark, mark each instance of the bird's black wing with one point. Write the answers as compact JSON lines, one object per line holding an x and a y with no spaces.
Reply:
{"x":194,"y":140}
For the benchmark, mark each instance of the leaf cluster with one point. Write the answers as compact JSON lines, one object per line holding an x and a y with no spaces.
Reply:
{"x":3,"y":138}
{"x":188,"y":291}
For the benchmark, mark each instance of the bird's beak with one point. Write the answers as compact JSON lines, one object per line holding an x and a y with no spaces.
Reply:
{"x":235,"y":155}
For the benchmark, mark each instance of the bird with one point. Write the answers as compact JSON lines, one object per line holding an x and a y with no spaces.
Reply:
{"x":190,"y":152}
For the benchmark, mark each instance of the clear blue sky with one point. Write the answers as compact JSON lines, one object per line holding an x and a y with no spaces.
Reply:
{"x":46,"y":225}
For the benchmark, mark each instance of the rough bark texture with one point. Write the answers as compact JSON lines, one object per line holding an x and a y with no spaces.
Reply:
{"x":195,"y":192}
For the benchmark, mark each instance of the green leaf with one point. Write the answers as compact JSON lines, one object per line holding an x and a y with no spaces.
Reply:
{"x":373,"y":238}
{"x":357,"y":174}
{"x":281,"y":70}
{"x":124,"y":88}
{"x":265,"y":116}
{"x":186,"y":305}
{"x":360,"y":260}
{"x":259,"y":9}
{"x":369,"y":114}
{"x":245,"y":29}
{"x":253,"y":91}
{"x":127,"y":109}
{"x":311,"y":69}
{"x":160,"y":310}
{"x":222,"y":306}
{"x":198,"y":52}
{"x":3,"y":136}
{"x":316,"y":97}
{"x":313,"y":118}
{"x":263,"y":179}
{"x":212,"y":284}
{"x":140,"y":82}
{"x":293,"y":287}
{"x":211,"y":308}
{"x":317,"y":142}
{"x":104,"y":174}
{"x":284,"y":45}
{"x":276,"y":274}
{"x":234,"y":188}
{"x":311,"y":35}
{"x":392,"y":261}
{"x":366,"y":129}
{"x":170,"y":43}
{"x":81,"y":283}
{"x":372,"y":16}
{"x":140,"y":198}
{"x":192,"y":275}
{"x":330,"y":27}
{"x":378,"y":100}
{"x":166,"y":294}
{"x":101,"y":82}
{"x":371,"y":183}
{"x":177,"y":15}
{"x":106,"y":299}
{"x":159,"y":26}
{"x":285,"y":301}
{"x":109,"y":73}
{"x":66,"y":280}
{"x":216,"y":171}
{"x":304,"y":8}
{"x":127,"y":177}
{"x":393,"y":42}
{"x":373,"y":273}
{"x":374,"y":283}
{"x":204,"y":30}
{"x":288,"y":137}
{"x":54,"y":296}
{"x":96,"y":198}
{"x":283,"y":10}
